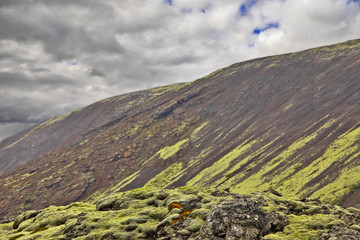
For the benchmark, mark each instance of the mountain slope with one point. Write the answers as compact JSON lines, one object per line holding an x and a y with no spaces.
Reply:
{"x":288,"y":122}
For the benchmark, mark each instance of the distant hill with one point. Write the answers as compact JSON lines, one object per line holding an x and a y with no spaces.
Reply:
{"x":290,"y":123}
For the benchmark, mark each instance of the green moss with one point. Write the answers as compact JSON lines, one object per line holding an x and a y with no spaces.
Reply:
{"x":195,"y":225}
{"x":46,"y":179}
{"x":135,"y":129}
{"x":201,"y":213}
{"x":168,"y":152}
{"x":197,"y":130}
{"x":173,"y":87}
{"x":52,"y":121}
{"x":148,"y":229}
{"x":166,"y":177}
{"x":256,"y":180}
{"x":340,"y":149}
{"x":140,"y":193}
{"x":287,"y":107}
{"x":304,"y":227}
{"x":221,"y":165}
{"x":213,"y":73}
{"x":347,"y":180}
{"x":6,"y":226}
{"x":140,"y":220}
{"x":218,"y":136}
{"x":26,"y":175}
{"x":159,"y":214}
{"x":181,"y":127}
{"x":103,"y":193}
{"x":227,"y":182}
{"x":163,"y":89}
{"x":197,"y":159}
{"x":355,"y":227}
{"x":16,"y":236}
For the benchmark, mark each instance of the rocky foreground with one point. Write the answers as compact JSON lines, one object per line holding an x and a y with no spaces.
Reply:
{"x":187,"y":213}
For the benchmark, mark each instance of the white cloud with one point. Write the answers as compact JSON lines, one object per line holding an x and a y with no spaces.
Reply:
{"x":306,"y":24}
{"x":59,"y":55}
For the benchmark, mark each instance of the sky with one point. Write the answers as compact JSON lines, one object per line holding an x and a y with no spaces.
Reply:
{"x":59,"y":55}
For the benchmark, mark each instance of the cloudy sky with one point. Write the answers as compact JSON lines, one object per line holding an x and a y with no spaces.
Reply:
{"x":59,"y":55}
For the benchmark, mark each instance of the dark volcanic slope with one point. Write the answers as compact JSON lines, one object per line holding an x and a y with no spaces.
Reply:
{"x":290,"y":122}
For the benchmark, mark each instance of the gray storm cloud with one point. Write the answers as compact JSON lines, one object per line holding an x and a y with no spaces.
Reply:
{"x":58,"y":55}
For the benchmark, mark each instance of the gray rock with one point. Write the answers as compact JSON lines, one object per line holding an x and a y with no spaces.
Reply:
{"x":237,"y":219}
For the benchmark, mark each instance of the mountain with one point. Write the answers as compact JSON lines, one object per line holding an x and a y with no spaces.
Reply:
{"x":288,"y":123}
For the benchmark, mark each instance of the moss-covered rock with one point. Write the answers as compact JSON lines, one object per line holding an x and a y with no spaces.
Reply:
{"x":187,"y":213}
{"x":21,"y":218}
{"x":195,"y":225}
{"x":158,"y":213}
{"x":201,"y":213}
{"x":148,"y":229}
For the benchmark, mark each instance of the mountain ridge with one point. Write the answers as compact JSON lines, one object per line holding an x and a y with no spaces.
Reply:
{"x":260,"y":124}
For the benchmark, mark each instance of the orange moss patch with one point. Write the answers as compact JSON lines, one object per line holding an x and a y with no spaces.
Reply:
{"x":184,"y":214}
{"x":175,"y":205}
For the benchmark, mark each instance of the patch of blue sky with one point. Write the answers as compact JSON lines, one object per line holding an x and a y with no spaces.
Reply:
{"x":353,"y":1}
{"x":257,"y":31}
{"x":245,"y":7}
{"x":170,"y":2}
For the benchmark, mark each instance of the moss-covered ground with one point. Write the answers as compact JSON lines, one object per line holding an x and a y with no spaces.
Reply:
{"x":143,"y":213}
